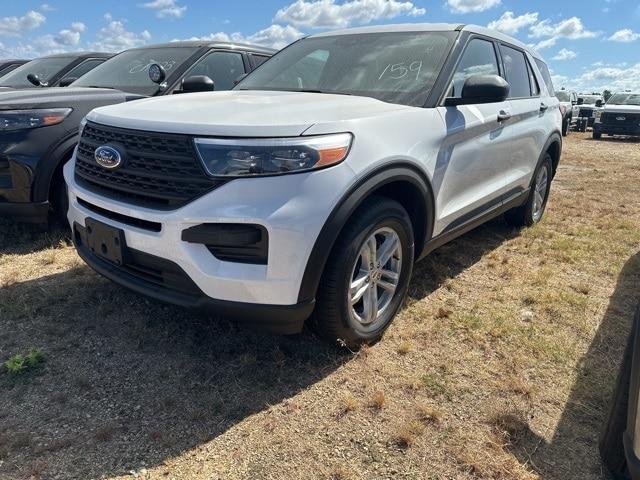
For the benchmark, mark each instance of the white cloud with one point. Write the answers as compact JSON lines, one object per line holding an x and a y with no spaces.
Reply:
{"x":62,"y":41}
{"x":467,"y":6}
{"x":571,"y":28}
{"x":275,"y":36}
{"x":329,"y":14}
{"x":16,"y":26}
{"x":45,"y":7}
{"x":510,"y":24}
{"x":166,"y":8}
{"x":114,"y":37}
{"x":625,"y":35}
{"x":565,"y":54}
{"x":549,"y":42}
{"x":614,"y":78}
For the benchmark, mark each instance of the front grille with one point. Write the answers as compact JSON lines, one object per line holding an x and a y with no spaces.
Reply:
{"x":160,"y":170}
{"x":630,"y":119}
{"x":585,"y":112}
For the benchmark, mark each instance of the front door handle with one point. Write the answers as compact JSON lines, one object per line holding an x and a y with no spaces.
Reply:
{"x":503,"y":116}
{"x":543,"y":107}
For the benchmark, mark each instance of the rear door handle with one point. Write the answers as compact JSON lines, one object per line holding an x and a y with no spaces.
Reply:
{"x":543,"y":107}
{"x":503,"y":116}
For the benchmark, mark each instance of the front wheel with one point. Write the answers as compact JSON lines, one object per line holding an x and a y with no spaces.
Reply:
{"x":597,"y":135}
{"x":531,"y":212}
{"x":565,"y":126}
{"x":367,"y":275}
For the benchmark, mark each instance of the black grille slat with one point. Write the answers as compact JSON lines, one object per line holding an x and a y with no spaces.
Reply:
{"x":632,"y":119}
{"x":160,"y":170}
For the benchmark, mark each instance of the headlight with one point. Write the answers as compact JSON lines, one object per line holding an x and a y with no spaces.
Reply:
{"x":269,"y":156}
{"x":83,"y":122}
{"x":25,"y":119}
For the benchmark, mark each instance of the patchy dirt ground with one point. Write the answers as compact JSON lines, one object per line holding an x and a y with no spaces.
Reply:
{"x":499,"y":366}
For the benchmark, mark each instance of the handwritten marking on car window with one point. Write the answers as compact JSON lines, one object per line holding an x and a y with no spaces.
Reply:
{"x":396,"y":71}
{"x":168,"y":65}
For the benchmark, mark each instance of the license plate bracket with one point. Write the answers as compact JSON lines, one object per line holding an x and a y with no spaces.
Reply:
{"x":105,"y":241}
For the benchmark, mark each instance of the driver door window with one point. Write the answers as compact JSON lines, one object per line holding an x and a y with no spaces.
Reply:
{"x":223,"y":68}
{"x":479,"y":58}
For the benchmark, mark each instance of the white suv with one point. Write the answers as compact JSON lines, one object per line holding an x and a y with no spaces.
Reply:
{"x":311,"y":189}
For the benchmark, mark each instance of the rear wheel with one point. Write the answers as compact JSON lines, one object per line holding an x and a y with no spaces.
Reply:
{"x":531,"y":212}
{"x":367,"y":275}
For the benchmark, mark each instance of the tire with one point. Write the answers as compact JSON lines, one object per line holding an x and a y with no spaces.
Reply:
{"x":334,"y":317}
{"x":532,"y":211}
{"x":59,"y":199}
{"x":611,"y":443}
{"x":565,"y":126}
{"x":597,"y":135}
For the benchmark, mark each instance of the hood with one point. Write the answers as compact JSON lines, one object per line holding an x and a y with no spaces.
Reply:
{"x":622,"y":108}
{"x":241,"y":113}
{"x":59,"y":97}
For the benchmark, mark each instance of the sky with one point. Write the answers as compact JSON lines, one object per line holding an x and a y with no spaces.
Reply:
{"x":589,"y":45}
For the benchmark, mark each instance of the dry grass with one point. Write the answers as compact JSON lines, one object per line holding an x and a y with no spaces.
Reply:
{"x":499,"y":366}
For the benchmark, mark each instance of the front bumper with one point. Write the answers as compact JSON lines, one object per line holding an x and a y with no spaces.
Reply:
{"x":292,"y":208}
{"x":36,"y":213}
{"x":608,"y":129}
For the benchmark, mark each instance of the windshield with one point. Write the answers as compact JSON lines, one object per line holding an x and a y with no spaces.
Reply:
{"x":45,"y":68}
{"x":563,"y":96}
{"x":129,"y":71}
{"x":625,"y":99}
{"x":590,"y":99}
{"x":398,"y":67}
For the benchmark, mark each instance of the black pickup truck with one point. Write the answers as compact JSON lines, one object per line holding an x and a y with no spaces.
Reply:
{"x":39,"y":128}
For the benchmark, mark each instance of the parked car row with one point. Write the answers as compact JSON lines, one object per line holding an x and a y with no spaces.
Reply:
{"x":620,"y":115}
{"x":307,"y":191}
{"x":31,"y":157}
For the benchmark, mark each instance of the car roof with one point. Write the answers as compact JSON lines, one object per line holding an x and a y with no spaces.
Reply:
{"x":78,"y":55}
{"x":431,"y":27}
{"x":13,"y":60}
{"x":211,"y":44}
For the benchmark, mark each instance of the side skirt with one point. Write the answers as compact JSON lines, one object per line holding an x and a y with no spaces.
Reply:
{"x":513,"y":201}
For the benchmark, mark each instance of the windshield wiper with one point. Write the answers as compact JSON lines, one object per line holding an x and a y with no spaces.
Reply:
{"x":298,"y":90}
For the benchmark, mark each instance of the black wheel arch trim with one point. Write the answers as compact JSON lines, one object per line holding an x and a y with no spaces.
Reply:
{"x":49,"y":164}
{"x":396,"y":171}
{"x":555,"y":137}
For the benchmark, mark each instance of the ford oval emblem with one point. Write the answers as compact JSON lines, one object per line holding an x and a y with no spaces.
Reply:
{"x":621,"y":118}
{"x":108,"y":157}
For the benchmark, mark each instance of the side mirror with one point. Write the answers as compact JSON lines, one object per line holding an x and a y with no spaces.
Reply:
{"x":240,"y":78}
{"x":197,"y":83}
{"x":157,"y":73}
{"x":65,"y":82}
{"x":34,"y":79}
{"x":481,"y":89}
{"x":580,"y":101}
{"x":599,"y":103}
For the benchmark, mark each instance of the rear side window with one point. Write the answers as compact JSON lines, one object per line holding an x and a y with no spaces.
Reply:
{"x":257,"y":60}
{"x":546,"y":75}
{"x":224,"y":68}
{"x":479,"y":58}
{"x":84,"y":67}
{"x":516,"y":71}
